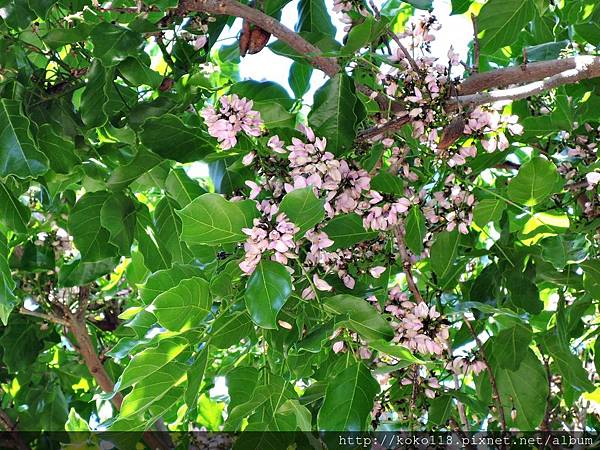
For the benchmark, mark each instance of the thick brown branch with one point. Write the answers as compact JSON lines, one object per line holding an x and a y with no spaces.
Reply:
{"x":390,"y":127}
{"x":267,"y":23}
{"x":495,"y":391}
{"x":586,"y":68}
{"x":525,"y":74}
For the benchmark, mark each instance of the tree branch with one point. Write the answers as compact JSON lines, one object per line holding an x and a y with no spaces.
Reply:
{"x":46,"y":317}
{"x":406,"y":265}
{"x":234,"y":8}
{"x":586,"y":67}
{"x":9,"y":426}
{"x":496,"y":393}
{"x":524,"y":74}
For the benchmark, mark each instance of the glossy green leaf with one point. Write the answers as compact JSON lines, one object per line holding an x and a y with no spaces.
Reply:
{"x":59,"y":150}
{"x":168,"y":228}
{"x":19,"y":154}
{"x":7,"y":298}
{"x":303,"y":208}
{"x":267,"y":290}
{"x":536,"y":181}
{"x":89,"y":236}
{"x":415,"y":230}
{"x":299,"y":78}
{"x":13,"y":214}
{"x":182,"y":188}
{"x":168,"y":137}
{"x":114,"y":43}
{"x":334,"y":113}
{"x":501,"y":21}
{"x":525,"y":389}
{"x":361,"y":316}
{"x":230,"y":329}
{"x":117,"y":215}
{"x":163,"y":280}
{"x":195,"y":375}
{"x":184,"y":306}
{"x":347,"y":230}
{"x":151,"y":360}
{"x":94,"y":97}
{"x":488,"y":210}
{"x":510,"y":344}
{"x":348,"y":400}
{"x":79,"y":273}
{"x":444,"y":252}
{"x":313,"y":16}
{"x":212,"y":220}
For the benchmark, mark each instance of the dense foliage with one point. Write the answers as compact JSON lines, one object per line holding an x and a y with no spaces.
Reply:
{"x":417,"y":249}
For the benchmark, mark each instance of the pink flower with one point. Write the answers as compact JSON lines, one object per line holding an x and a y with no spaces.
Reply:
{"x":338,"y":346}
{"x":321,"y":284}
{"x":377,"y":271}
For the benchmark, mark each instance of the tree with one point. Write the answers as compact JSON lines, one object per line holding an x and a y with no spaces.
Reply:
{"x":418,"y":248}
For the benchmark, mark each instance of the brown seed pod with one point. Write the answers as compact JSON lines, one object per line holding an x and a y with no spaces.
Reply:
{"x":452,"y":132}
{"x":252,"y":39}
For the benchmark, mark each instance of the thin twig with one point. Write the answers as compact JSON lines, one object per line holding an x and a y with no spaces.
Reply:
{"x":404,"y":50}
{"x":390,"y":127}
{"x":406,"y":264}
{"x":46,"y":317}
{"x":495,"y":391}
{"x":475,"y":68}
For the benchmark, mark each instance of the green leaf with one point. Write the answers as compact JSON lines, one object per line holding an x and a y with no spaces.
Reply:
{"x":348,"y":400}
{"x":181,"y":187}
{"x":536,"y":181}
{"x":151,"y":360}
{"x":488,"y":210}
{"x":440,"y":409}
{"x":303,"y":208}
{"x":397,"y":351}
{"x":138,"y":73}
{"x":156,"y":256}
{"x":7,"y":298}
{"x":168,"y":228}
{"x":523,"y":292}
{"x":230,"y":329}
{"x":59,"y":37}
{"x":415,"y":230}
{"x":569,"y":365}
{"x":19,"y":154}
{"x":90,"y":237}
{"x":347,"y":230}
{"x":365,"y":33}
{"x":510,"y":344}
{"x":263,"y":92}
{"x":212,"y":220}
{"x":420,"y":4}
{"x":443,"y":253}
{"x":299,"y":78}
{"x":151,"y":390}
{"x":591,"y":280}
{"x":117,"y":215}
{"x":184,"y":306}
{"x":267,"y":290}
{"x":564,"y":249}
{"x":501,"y":21}
{"x":163,"y":280}
{"x":300,"y":412}
{"x":460,"y":6}
{"x":124,"y":175}
{"x":13,"y":214}
{"x":114,"y":43}
{"x":313,"y":16}
{"x":78,"y":273}
{"x":170,"y":138}
{"x":59,"y":151}
{"x":526,"y":389}
{"x":361,"y":316}
{"x":94,"y":97}
{"x":333,"y":114}
{"x":195,"y":375}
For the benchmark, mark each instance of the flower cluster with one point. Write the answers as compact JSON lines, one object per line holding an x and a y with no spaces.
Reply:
{"x":452,"y":207}
{"x":264,"y":236}
{"x":235,"y":115}
{"x":418,"y":327}
{"x":464,"y":366}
